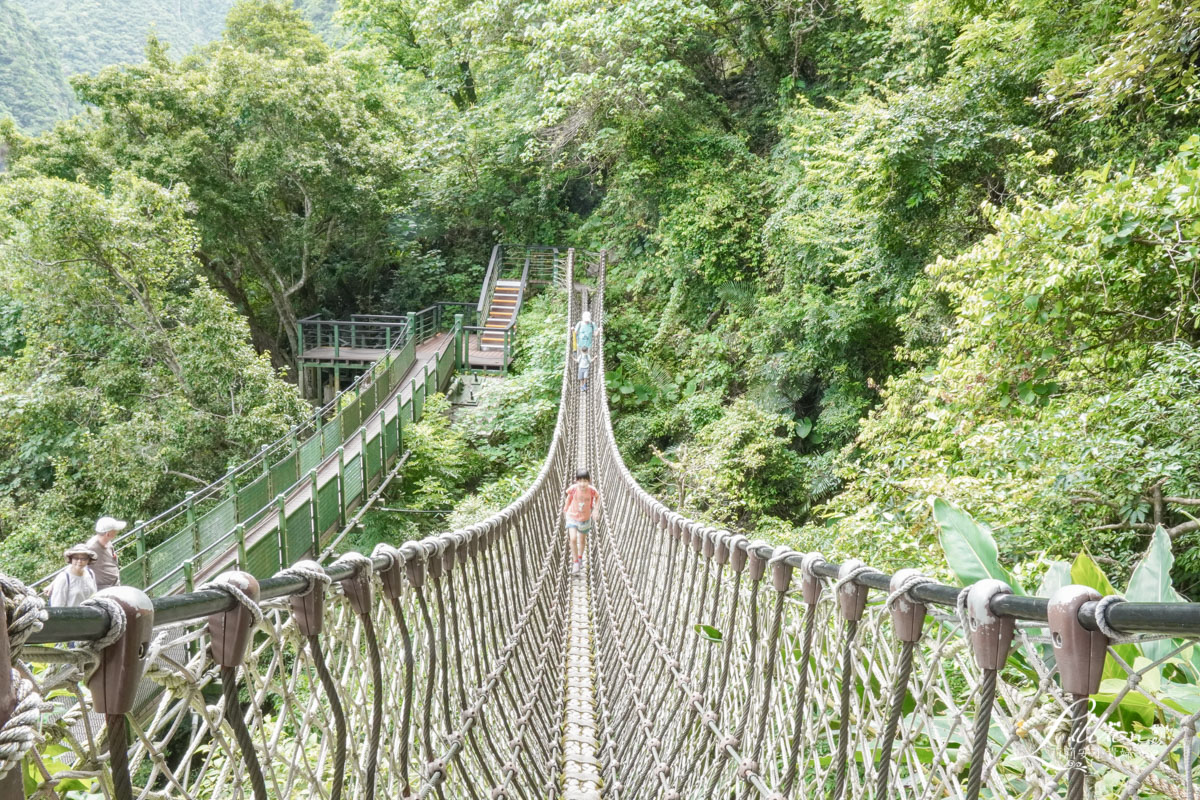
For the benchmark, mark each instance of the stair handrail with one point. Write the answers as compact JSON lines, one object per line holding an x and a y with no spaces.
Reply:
{"x":489,"y":283}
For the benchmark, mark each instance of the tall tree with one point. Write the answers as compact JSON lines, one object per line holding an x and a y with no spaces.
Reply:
{"x":289,"y":169}
{"x":127,"y":379}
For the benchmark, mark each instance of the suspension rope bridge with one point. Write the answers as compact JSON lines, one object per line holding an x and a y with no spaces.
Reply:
{"x":684,"y":661}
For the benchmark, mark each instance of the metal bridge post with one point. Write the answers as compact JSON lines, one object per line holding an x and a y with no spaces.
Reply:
{"x":411,"y":319}
{"x":230,"y":634}
{"x":115,"y":682}
{"x":190,"y":516}
{"x":240,"y":533}
{"x":1079,"y":655}
{"x":139,"y":530}
{"x":362,"y":460}
{"x":991,"y":637}
{"x":189,"y":581}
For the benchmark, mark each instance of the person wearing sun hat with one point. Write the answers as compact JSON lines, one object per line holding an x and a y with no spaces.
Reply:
{"x":105,"y":566}
{"x":76,"y":583}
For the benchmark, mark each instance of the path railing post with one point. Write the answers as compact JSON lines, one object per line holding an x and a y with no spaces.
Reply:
{"x":190,"y":516}
{"x":459,"y":352}
{"x":139,"y":529}
{"x":316,"y":516}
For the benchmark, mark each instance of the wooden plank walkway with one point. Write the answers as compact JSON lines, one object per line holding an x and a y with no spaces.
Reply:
{"x":327,"y":355}
{"x":327,"y":470}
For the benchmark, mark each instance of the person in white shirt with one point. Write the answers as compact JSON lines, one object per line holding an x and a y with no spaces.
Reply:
{"x":76,"y":583}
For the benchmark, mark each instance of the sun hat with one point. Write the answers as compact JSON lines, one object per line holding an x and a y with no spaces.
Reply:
{"x":106,"y":524}
{"x":79,"y":550}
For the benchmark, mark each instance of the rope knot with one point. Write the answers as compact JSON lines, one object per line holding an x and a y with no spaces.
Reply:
{"x":308,"y":571}
{"x":664,"y":769}
{"x":747,"y":767}
{"x":116,"y":620}
{"x":222,"y":583}
{"x":26,"y":610}
{"x":730,"y":741}
{"x":357,"y":561}
{"x":435,"y":769}
{"x":710,"y":717}
{"x":905,"y":589}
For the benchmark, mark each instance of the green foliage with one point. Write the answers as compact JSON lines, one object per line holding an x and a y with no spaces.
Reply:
{"x":513,"y":422}
{"x":285,"y":164}
{"x":969,"y":546}
{"x":131,"y":379}
{"x":33,"y":90}
{"x":94,"y":34}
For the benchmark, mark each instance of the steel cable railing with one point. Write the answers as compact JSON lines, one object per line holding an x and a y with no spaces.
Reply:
{"x":721,"y":667}
{"x":731,"y":668}
{"x":432,"y":670}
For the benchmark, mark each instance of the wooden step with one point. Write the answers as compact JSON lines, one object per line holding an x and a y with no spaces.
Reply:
{"x":507,"y":285}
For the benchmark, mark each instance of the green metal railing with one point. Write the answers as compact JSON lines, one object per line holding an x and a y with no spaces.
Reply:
{"x":301,"y":509}
{"x":160,"y":555}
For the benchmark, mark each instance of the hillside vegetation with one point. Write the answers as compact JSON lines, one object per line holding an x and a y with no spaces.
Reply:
{"x":33,"y":89}
{"x":867,"y":254}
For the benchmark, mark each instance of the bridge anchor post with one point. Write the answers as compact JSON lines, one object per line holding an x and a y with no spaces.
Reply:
{"x":1079,"y":655}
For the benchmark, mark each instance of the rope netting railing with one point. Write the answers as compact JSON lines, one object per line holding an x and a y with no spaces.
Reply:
{"x":728,"y":668}
{"x":717,"y":667}
{"x":435,"y":669}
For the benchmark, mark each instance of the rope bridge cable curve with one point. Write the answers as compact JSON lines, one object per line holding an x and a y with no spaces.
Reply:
{"x":684,"y":662}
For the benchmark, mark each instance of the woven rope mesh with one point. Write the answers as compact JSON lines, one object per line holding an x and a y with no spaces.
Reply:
{"x":710,"y":677}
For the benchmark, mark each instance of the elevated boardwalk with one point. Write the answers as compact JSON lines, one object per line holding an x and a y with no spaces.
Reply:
{"x":331,"y":471}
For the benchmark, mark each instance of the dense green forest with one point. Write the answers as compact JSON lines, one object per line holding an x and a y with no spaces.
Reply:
{"x":865,"y":253}
{"x":33,"y":89}
{"x":47,"y":41}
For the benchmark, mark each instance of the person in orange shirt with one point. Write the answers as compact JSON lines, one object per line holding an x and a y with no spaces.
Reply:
{"x":581,"y":502}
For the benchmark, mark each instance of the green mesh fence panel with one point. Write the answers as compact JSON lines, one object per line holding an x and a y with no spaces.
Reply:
{"x":169,"y":556}
{"x":327,"y":505}
{"x":406,"y":413}
{"x":367,"y":401}
{"x":310,"y":454}
{"x":391,"y":438}
{"x":253,"y":497}
{"x":262,"y":557}
{"x":387,"y":378}
{"x":216,"y":524}
{"x":299,"y":532}
{"x":284,"y":474}
{"x":331,"y":436}
{"x":374,"y":462}
{"x":353,"y":480}
{"x":418,"y":401}
{"x":350,"y":418}
{"x":445,"y":365}
{"x":131,"y":572}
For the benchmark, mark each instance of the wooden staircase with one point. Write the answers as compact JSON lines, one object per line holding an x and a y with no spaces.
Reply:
{"x":501,"y":312}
